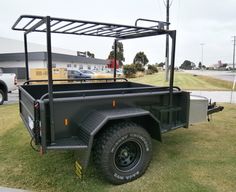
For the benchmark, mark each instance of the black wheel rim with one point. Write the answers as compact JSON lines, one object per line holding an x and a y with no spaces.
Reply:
{"x":127,"y":155}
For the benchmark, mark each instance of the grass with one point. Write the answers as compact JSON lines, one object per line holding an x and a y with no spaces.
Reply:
{"x":201,"y":158}
{"x":186,"y":81}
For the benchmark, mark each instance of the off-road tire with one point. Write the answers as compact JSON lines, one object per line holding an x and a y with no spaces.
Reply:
{"x":123,"y":152}
{"x":1,"y":97}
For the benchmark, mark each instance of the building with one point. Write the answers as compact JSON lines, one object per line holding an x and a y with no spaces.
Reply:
{"x":15,"y":61}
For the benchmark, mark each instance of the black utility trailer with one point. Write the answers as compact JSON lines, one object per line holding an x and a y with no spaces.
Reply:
{"x":114,"y":118}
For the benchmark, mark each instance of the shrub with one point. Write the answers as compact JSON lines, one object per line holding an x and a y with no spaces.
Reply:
{"x":153,"y":68}
{"x":129,"y":70}
{"x":139,"y":67}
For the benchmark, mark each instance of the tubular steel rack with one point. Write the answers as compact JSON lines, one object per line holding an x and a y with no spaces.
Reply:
{"x":30,"y":23}
{"x":49,"y":25}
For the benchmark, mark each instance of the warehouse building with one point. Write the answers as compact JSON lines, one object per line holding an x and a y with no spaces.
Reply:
{"x":12,"y":59}
{"x":15,"y":62}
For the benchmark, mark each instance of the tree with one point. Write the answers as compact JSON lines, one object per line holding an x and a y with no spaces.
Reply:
{"x":140,"y":58}
{"x":188,"y":65}
{"x":120,"y":52}
{"x":200,"y":65}
{"x":89,"y":54}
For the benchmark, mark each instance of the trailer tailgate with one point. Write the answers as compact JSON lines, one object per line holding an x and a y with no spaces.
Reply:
{"x":26,"y":104}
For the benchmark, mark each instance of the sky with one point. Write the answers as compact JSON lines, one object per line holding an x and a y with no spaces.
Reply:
{"x":208,"y":22}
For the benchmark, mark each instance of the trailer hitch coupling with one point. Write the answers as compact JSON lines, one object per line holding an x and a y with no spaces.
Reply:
{"x":213,"y":108}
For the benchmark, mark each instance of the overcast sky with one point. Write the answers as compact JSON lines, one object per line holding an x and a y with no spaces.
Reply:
{"x":212,"y":22}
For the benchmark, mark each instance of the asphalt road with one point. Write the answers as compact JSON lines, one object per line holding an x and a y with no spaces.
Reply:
{"x":13,"y":97}
{"x":223,"y":75}
{"x":5,"y":189}
{"x":217,"y":96}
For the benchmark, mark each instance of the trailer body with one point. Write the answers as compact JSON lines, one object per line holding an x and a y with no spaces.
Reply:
{"x":114,"y":117}
{"x":83,"y":110}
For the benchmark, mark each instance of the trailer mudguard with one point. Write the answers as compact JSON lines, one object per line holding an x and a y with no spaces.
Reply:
{"x":97,"y":120}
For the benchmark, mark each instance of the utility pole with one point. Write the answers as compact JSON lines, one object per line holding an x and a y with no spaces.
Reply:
{"x":234,"y":40}
{"x":167,"y":4}
{"x":202,"y":44}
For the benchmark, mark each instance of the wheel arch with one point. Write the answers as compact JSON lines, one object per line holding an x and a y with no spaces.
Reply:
{"x":148,"y":122}
{"x":97,"y":122}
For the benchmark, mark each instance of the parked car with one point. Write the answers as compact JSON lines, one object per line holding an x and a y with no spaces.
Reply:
{"x":8,"y":83}
{"x":88,"y":72}
{"x":97,"y":74}
{"x":77,"y":74}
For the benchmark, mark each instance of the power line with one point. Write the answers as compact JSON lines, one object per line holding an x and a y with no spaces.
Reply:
{"x":202,"y":44}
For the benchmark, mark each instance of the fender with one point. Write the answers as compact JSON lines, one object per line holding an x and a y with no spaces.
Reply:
{"x":97,"y":121}
{"x":4,"y":88}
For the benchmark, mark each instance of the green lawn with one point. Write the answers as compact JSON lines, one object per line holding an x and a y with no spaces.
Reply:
{"x":186,"y":81}
{"x":201,"y":158}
